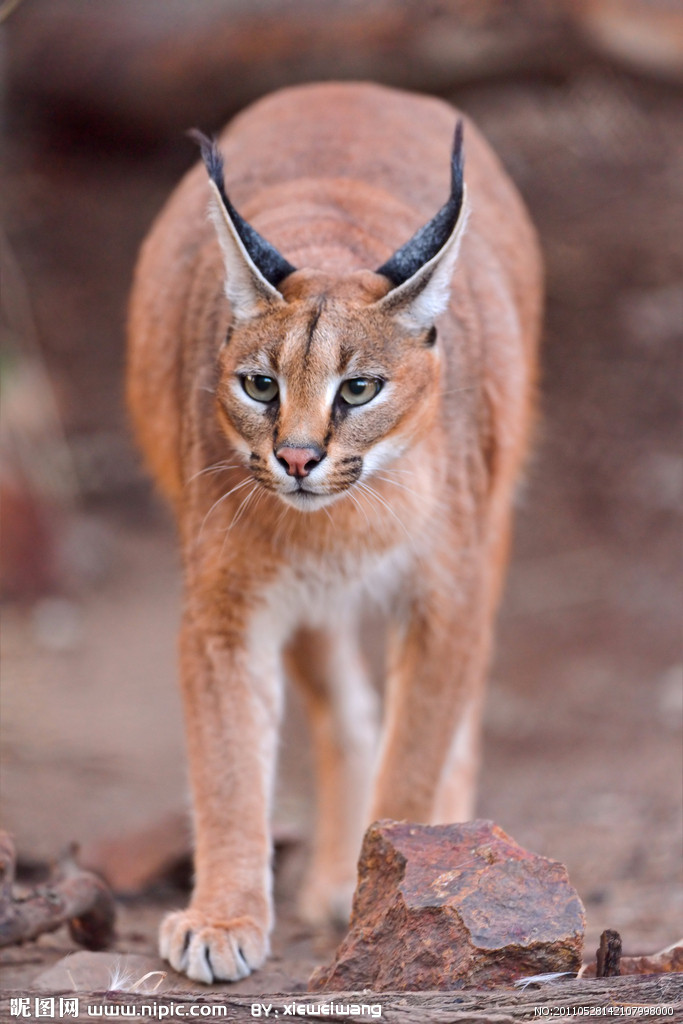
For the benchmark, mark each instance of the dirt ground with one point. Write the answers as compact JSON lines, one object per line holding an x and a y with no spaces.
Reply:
{"x":584,"y":725}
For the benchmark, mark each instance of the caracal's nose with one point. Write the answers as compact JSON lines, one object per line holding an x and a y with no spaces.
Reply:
{"x":299,"y":461}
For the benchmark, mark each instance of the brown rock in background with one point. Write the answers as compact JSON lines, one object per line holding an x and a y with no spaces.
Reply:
{"x":450,"y":906}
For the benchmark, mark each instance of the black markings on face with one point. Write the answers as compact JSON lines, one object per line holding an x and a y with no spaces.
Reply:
{"x":271,"y":411}
{"x":431,"y":337}
{"x":239,"y":417}
{"x":258,"y":466}
{"x":345,"y":353}
{"x":313,"y":323}
{"x":348,"y":471}
{"x":340,"y":411}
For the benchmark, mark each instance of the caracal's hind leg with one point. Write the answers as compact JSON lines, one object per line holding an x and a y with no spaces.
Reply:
{"x":342,"y":706}
{"x":457,"y":791}
{"x":439,"y":658}
{"x":437,"y":662}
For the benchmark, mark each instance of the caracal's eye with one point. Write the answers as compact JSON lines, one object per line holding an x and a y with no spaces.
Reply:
{"x":260,"y":387}
{"x":359,"y":390}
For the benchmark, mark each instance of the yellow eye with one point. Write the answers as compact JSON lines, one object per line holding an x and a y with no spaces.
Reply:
{"x":259,"y":387}
{"x":359,"y":390}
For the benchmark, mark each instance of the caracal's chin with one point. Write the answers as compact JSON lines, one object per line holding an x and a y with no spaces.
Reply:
{"x":309,"y":501}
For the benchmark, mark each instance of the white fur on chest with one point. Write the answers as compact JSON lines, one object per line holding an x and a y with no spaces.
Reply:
{"x":321,"y":594}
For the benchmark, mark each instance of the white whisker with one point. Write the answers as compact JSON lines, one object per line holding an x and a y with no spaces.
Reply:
{"x":404,"y":470}
{"x":216,"y":468}
{"x":395,"y":483}
{"x":241,"y":508}
{"x":282,"y":516}
{"x":216,"y":503}
{"x":356,"y":500}
{"x":411,"y":490}
{"x":371,"y":491}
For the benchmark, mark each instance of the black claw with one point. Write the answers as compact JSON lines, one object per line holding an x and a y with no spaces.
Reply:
{"x":243,"y":958}
{"x":207,"y":957}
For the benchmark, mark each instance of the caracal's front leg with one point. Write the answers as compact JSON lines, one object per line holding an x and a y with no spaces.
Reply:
{"x":342,"y":707}
{"x":232,"y":708}
{"x":438,"y":659}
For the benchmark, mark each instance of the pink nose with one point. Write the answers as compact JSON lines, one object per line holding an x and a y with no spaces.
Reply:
{"x":299,"y":461}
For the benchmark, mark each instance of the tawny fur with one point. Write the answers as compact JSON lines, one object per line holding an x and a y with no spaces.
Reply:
{"x":337,"y":177}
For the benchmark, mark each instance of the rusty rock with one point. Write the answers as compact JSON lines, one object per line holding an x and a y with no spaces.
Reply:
{"x":450,"y":906}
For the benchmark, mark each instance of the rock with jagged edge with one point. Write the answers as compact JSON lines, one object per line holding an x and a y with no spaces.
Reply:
{"x":452,"y":906}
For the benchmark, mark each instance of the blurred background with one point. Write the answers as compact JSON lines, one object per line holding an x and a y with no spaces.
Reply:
{"x":582,"y":99}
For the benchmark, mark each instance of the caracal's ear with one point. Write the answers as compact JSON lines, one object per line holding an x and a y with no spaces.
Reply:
{"x":421,"y":270}
{"x":253,"y":267}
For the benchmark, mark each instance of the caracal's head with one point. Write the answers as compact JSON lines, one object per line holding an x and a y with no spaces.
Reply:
{"x":325,"y":380}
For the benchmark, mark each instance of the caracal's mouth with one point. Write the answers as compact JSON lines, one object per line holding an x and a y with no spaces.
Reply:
{"x":306,"y":500}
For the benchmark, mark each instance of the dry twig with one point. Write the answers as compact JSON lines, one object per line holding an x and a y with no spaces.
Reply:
{"x":608,"y":955}
{"x":75,"y":897}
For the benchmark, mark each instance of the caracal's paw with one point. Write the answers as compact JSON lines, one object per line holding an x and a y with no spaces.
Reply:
{"x":324,"y":903}
{"x":208,"y":950}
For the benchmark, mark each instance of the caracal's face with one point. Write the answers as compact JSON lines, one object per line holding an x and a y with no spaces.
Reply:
{"x":323,"y":392}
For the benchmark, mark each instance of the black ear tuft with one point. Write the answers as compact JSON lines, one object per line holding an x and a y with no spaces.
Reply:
{"x":426,"y":242}
{"x":265,"y":256}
